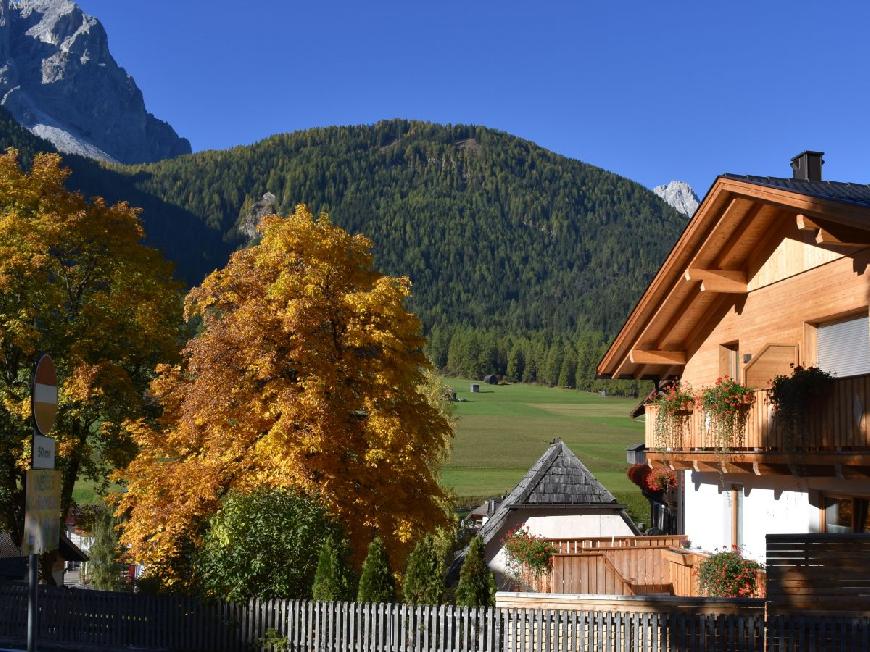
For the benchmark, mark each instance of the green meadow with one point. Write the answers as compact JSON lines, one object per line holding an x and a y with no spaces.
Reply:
{"x":502,"y":431}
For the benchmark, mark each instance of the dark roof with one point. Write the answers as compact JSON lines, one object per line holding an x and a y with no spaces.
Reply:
{"x":857,"y":194}
{"x":557,"y":479}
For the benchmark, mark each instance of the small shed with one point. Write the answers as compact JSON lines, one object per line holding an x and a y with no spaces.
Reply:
{"x":636,"y":454}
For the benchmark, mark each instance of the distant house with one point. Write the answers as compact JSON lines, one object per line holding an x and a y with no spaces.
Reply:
{"x":13,"y":566}
{"x":559,"y":498}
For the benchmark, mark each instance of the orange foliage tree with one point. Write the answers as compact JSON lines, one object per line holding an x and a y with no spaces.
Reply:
{"x":75,"y":281}
{"x":307,"y":373}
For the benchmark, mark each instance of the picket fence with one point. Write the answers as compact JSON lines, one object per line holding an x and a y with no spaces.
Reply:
{"x":116,"y":621}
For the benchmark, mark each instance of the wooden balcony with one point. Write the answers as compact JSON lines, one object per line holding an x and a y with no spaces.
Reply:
{"x":833,"y":441}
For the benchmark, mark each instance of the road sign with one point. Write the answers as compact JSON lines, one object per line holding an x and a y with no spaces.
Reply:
{"x":42,"y":511}
{"x":43,"y":452}
{"x":44,"y":395}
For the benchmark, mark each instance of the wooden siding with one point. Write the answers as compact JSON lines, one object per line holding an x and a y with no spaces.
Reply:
{"x":819,"y":572}
{"x":839,"y":424}
{"x":777,"y":314}
{"x":796,"y":253}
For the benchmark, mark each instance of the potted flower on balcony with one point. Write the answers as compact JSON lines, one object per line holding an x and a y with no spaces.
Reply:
{"x":660,"y":480}
{"x":727,"y":405}
{"x":795,"y":397}
{"x":674,"y":406}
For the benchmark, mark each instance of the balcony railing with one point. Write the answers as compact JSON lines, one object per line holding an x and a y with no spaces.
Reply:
{"x":839,"y":423}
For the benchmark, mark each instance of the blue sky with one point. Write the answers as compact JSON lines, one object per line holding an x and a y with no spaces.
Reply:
{"x":651,"y":90}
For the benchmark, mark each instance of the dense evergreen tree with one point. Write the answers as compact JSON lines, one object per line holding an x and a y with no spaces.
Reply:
{"x":476,"y":587}
{"x":104,"y":567}
{"x":424,"y":576}
{"x":333,"y":579}
{"x":376,"y":582}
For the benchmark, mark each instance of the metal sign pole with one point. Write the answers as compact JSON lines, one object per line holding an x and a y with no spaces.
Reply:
{"x":33,"y":576}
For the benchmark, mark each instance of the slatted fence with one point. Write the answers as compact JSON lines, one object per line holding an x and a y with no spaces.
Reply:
{"x":81,"y":619}
{"x":819,"y":572}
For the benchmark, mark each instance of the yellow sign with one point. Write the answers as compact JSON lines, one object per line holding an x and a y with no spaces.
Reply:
{"x":42,"y":511}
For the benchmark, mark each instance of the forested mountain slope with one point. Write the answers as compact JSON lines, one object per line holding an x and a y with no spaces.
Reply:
{"x":493,"y":230}
{"x":179,"y":234}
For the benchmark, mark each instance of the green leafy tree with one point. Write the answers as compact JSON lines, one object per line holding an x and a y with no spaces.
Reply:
{"x":376,"y":582}
{"x":476,"y":586}
{"x":104,"y":566}
{"x":262,"y":544}
{"x":333,"y":580}
{"x":424,"y":576}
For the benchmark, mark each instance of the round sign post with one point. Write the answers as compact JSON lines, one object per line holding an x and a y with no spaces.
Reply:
{"x":44,"y":395}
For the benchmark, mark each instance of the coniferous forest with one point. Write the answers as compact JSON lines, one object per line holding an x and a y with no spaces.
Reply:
{"x":523,"y":262}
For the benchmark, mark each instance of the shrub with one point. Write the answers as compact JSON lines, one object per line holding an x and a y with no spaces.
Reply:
{"x":792,"y":396}
{"x":476,"y":587}
{"x":727,"y":403}
{"x":376,"y":580}
{"x":333,"y":579}
{"x":262,"y":544}
{"x":728,"y":575}
{"x":529,"y":557}
{"x":424,"y":576}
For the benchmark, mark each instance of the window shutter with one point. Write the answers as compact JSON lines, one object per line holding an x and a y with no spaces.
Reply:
{"x":844,"y":347}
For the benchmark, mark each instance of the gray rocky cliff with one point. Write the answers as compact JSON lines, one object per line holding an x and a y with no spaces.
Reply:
{"x":58,"y":79}
{"x":680,"y":195}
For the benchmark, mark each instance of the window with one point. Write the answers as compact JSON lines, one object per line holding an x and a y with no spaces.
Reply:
{"x":846,"y":514}
{"x":729,"y":361}
{"x":844,"y":347}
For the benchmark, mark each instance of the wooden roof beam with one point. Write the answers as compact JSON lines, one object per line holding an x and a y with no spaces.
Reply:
{"x":824,"y":237}
{"x":723,"y":281}
{"x":654,"y":357}
{"x":805,"y":223}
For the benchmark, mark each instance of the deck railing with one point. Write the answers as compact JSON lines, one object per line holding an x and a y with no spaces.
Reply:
{"x":837,"y":423}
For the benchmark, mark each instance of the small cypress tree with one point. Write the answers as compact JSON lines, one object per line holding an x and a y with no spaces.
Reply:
{"x":476,"y":586}
{"x":104,"y":566}
{"x":376,"y":580}
{"x":424,"y":576}
{"x":333,"y":579}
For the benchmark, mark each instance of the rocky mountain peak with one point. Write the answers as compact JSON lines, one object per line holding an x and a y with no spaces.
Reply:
{"x":58,"y":79}
{"x":680,"y":195}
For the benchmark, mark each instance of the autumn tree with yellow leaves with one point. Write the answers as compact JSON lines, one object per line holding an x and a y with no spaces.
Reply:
{"x":306,"y":374}
{"x":76,"y":282}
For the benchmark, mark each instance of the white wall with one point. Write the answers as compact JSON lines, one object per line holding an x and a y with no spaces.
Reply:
{"x":552,"y":525}
{"x":767,"y":505}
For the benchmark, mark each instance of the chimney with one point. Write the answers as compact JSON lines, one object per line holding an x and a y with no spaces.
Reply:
{"x":807,"y":166}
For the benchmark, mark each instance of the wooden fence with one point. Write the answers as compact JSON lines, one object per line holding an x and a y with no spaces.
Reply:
{"x":628,"y":566}
{"x":819,"y":572}
{"x":82,"y":619}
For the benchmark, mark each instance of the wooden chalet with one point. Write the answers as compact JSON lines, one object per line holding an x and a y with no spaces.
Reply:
{"x":770,"y":273}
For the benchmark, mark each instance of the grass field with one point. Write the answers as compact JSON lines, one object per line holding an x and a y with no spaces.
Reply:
{"x":505,"y":428}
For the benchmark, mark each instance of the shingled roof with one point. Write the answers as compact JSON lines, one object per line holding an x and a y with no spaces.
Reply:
{"x":557,"y":479}
{"x":838,"y":191}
